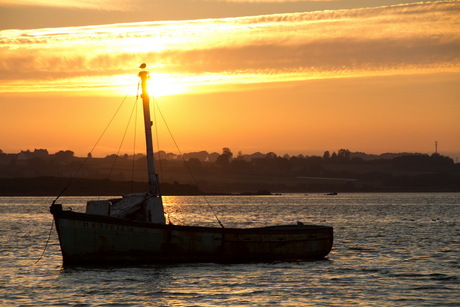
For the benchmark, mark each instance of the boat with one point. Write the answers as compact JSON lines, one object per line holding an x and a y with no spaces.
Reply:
{"x":132,"y":229}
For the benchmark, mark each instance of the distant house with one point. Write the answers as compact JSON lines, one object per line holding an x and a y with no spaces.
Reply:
{"x":40,"y":153}
{"x":37,"y":153}
{"x":25,"y":155}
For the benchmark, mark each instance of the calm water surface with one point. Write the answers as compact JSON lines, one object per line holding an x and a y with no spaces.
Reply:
{"x":389,"y":250}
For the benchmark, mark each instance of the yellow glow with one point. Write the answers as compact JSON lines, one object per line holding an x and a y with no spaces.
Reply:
{"x":163,"y":84}
{"x":259,"y":49}
{"x":159,"y":84}
{"x":101,"y":4}
{"x":364,"y":79}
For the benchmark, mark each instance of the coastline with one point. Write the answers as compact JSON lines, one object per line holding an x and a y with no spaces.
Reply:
{"x":52,"y":186}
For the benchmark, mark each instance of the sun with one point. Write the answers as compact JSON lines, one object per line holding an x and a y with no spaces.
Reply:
{"x":164,"y":84}
{"x":159,"y":84}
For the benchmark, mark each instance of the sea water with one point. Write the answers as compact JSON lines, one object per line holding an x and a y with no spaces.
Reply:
{"x":389,"y":250}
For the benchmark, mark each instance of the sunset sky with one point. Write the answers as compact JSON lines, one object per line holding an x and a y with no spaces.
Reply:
{"x":286,"y":76}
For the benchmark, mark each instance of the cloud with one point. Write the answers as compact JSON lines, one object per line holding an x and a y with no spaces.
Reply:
{"x":269,"y":1}
{"x":106,"y":5}
{"x":420,"y":38}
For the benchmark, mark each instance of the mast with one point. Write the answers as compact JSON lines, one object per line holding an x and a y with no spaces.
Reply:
{"x":154,"y":188}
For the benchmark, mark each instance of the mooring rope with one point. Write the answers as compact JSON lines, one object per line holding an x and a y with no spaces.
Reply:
{"x":46,"y":245}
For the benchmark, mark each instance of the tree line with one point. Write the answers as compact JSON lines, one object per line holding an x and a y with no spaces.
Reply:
{"x":227,"y":173}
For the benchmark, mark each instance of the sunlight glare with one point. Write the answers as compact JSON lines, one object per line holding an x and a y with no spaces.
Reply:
{"x":159,"y":84}
{"x":164,"y":84}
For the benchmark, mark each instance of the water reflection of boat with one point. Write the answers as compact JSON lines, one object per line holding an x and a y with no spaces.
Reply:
{"x":132,"y":229}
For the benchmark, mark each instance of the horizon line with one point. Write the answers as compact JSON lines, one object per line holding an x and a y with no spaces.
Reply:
{"x":234,"y":155}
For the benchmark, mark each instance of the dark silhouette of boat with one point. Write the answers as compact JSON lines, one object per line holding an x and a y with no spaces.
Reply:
{"x":132,"y":230}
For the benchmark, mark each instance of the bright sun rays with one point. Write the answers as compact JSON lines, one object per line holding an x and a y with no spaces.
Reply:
{"x":159,"y":84}
{"x":164,"y":84}
{"x":258,"y":49}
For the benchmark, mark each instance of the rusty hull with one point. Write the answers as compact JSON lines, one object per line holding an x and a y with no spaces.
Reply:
{"x":103,"y":240}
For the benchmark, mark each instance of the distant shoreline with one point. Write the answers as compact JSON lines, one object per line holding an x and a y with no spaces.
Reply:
{"x":41,"y":174}
{"x":53,"y":186}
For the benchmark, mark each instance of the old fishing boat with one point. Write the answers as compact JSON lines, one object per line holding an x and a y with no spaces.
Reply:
{"x":132,"y":229}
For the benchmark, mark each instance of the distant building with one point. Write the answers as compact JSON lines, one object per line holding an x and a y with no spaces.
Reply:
{"x":40,"y":153}
{"x":25,"y":155}
{"x":37,"y":153}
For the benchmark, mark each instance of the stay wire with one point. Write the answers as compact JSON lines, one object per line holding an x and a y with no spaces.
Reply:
{"x":87,"y":158}
{"x":185,"y":162}
{"x":122,"y":141}
{"x":134,"y":142}
{"x":155,"y":106}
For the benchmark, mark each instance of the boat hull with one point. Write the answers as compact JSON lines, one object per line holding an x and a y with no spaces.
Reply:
{"x":96,"y":239}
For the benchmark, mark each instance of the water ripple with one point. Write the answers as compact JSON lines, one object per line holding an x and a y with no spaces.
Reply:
{"x":389,"y":250}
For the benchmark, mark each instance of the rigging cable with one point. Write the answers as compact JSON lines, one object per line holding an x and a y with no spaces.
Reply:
{"x":122,"y":141}
{"x":185,"y":162}
{"x":134,"y":142}
{"x":155,"y":103}
{"x":87,"y":158}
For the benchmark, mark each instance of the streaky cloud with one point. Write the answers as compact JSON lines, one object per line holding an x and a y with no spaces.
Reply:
{"x":106,"y":5}
{"x":420,"y":37}
{"x":270,"y":1}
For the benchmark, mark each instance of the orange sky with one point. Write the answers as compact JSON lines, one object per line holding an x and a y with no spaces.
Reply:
{"x":376,"y":79}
